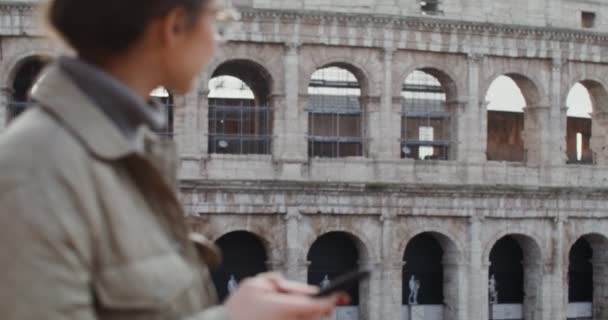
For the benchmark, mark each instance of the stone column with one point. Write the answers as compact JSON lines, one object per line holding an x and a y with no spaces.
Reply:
{"x":203,"y":119}
{"x":458,"y":127}
{"x":535,"y":135}
{"x":600,"y":285}
{"x":373,"y":127}
{"x":389,"y":122}
{"x":559,"y":277}
{"x":599,"y":137}
{"x":478,"y":269}
{"x":290,"y":126}
{"x":190,"y":131}
{"x":535,"y":279}
{"x":5,"y":99}
{"x":292,"y":239}
{"x":370,"y":292}
{"x":475,"y":135}
{"x":556,"y":154}
{"x":455,"y":290}
{"x":392,"y":268}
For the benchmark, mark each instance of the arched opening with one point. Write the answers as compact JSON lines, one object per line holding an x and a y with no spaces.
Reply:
{"x":580,"y":281}
{"x":165,"y":100}
{"x":244,"y":255}
{"x":240,"y":113}
{"x":331,"y":255}
{"x":423,"y":267}
{"x":585,"y":100}
{"x":430,"y":277}
{"x":507,"y":98}
{"x":425,"y":120}
{"x":26,"y":76}
{"x":588,"y":278}
{"x":515,"y":276}
{"x":335,"y":114}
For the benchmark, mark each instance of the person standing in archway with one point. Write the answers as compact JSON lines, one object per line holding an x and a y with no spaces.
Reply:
{"x":91,"y":226}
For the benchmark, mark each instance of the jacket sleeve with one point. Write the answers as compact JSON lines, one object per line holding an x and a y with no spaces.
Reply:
{"x":43,"y":268}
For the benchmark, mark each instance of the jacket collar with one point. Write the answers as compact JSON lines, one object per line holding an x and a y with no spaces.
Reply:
{"x":126,"y":109}
{"x":57,"y":93}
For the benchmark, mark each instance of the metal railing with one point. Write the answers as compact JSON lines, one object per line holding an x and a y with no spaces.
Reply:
{"x":239,"y":128}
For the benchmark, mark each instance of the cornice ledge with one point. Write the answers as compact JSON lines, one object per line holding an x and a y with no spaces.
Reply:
{"x":429,"y":24}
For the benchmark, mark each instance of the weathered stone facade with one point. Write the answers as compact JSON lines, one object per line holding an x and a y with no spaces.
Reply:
{"x":467,"y":203}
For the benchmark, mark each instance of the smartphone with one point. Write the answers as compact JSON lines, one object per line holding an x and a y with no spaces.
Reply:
{"x":344,"y":282}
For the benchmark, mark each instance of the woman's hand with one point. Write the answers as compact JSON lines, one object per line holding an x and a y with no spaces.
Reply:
{"x":271,"y":297}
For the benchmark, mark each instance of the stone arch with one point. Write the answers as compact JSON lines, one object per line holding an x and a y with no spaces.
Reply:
{"x":528,"y":235}
{"x":533,"y":269}
{"x":534,"y":94}
{"x":264,"y":57}
{"x":515,"y":136}
{"x":429,"y":100}
{"x":250,"y":71}
{"x":598,"y":90}
{"x":336,"y":108}
{"x":599,"y":247}
{"x":358,"y":70}
{"x":272,"y":249}
{"x":362,"y":242}
{"x":452,"y":270}
{"x":593,"y":132}
{"x":448,"y":241}
{"x":344,"y":242}
{"x":239,"y":123}
{"x":22,"y":76}
{"x":445,"y":76}
{"x":13,"y":63}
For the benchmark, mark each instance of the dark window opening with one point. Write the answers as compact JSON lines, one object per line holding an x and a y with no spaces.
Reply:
{"x":580,"y":272}
{"x":25,"y":78}
{"x":330,"y":256}
{"x":424,"y":261}
{"x":243,"y":256}
{"x":588,"y":19}
{"x":430,"y":7}
{"x":506,"y":266}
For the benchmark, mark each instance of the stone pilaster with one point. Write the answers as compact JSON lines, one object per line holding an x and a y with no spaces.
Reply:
{"x":392,"y":269}
{"x":458,"y":129}
{"x":599,"y":137}
{"x":474,"y":117}
{"x":290,"y":128}
{"x":388,"y":122}
{"x":5,"y":99}
{"x":535,"y":135}
{"x":292,"y":236}
{"x":556,"y":126}
{"x":559,"y":276}
{"x":478,"y":273}
{"x":203,"y":119}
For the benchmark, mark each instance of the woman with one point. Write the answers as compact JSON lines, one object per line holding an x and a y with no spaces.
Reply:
{"x":91,"y":226}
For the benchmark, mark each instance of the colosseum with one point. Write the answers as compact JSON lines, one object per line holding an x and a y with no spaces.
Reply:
{"x":435,"y":142}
